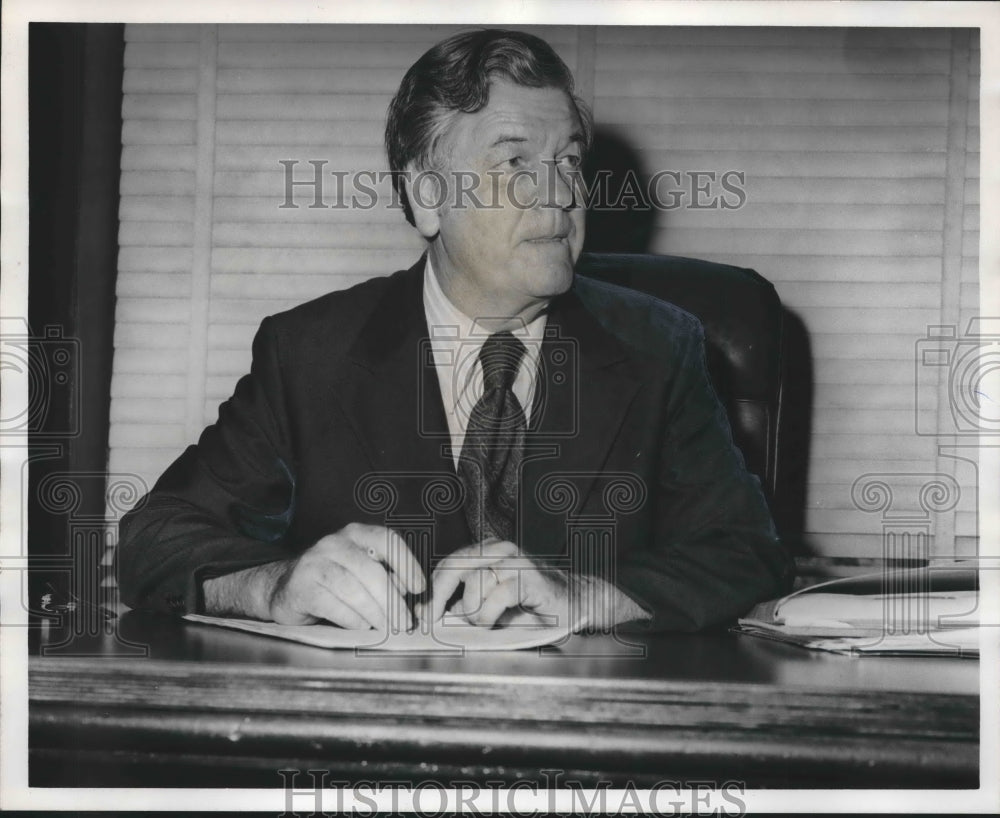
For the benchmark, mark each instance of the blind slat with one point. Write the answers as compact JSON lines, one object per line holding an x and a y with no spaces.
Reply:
{"x":838,"y":522}
{"x":738,"y":112}
{"x":887,"y":448}
{"x":157,"y":183}
{"x":146,"y":434}
{"x":161,"y":33}
{"x":349,"y":56}
{"x":422,"y":36}
{"x":325,"y":107}
{"x":269,"y":209}
{"x":149,"y":311}
{"x":147,"y":386}
{"x":291,"y":260}
{"x":171,"y":338}
{"x":158,"y":132}
{"x":864,"y":295}
{"x":382,"y":81}
{"x":773,"y":37}
{"x":374,"y":236}
{"x":148,"y":362}
{"x":837,"y":476}
{"x":799,"y":163}
{"x":148,"y":410}
{"x":266,"y":159}
{"x":857,"y":190}
{"x":160,"y":81}
{"x":290,"y":133}
{"x":759,"y":216}
{"x":884,"y":346}
{"x":165,"y":207}
{"x":155,"y":234}
{"x":839,"y":396}
{"x":156,"y":157}
{"x":871,"y":422}
{"x":159,"y":106}
{"x":833,"y":497}
{"x":865,"y":137}
{"x":172,"y":54}
{"x":655,"y":85}
{"x":290,"y":285}
{"x":698,"y":242}
{"x":155,"y":259}
{"x":855,"y":375}
{"x":750,"y":58}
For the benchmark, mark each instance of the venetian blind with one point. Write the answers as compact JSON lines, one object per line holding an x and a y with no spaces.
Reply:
{"x":843,"y":137}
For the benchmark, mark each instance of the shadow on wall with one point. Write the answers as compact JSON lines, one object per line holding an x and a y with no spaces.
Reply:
{"x":630,"y":229}
{"x":617,"y":230}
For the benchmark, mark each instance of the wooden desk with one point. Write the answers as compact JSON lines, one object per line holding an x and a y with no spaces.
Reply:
{"x":209,"y":707}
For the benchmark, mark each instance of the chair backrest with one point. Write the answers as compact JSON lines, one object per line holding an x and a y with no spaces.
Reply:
{"x":742,"y":316}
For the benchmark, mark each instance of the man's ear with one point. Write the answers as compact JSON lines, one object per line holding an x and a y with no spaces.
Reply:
{"x":426,"y":193}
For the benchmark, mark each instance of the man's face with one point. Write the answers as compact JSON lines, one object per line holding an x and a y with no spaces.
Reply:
{"x":518,"y":156}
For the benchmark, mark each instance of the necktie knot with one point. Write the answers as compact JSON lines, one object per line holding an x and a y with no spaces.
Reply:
{"x":500,"y":358}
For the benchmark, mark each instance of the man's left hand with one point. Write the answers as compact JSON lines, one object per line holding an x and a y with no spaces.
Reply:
{"x":504,"y":586}
{"x":501,"y":584}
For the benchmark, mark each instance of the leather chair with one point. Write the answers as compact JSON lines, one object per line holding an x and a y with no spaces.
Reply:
{"x":742,"y":316}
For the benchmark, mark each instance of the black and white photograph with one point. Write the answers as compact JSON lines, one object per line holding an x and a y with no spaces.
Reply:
{"x":451,"y":409}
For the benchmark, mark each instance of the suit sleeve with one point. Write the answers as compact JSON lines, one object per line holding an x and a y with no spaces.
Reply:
{"x":714,"y":551}
{"x":223,"y":505}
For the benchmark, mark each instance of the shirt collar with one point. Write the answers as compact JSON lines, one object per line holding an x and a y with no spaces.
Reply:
{"x":456,"y":340}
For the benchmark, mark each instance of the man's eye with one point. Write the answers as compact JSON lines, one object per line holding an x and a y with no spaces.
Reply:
{"x":571,"y":161}
{"x":515,"y":162}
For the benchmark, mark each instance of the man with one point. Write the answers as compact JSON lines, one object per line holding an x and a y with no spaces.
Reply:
{"x":483,"y":434}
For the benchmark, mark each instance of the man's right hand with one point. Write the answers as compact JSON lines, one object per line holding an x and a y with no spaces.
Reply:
{"x":356,"y":578}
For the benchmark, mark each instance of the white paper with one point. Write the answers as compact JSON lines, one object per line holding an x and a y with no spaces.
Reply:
{"x":932,"y":610}
{"x":443,"y":636}
{"x":938,"y":642}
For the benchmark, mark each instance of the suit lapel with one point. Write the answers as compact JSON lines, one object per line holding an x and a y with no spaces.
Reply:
{"x":586,"y":385}
{"x":385,"y":392}
{"x":392,"y":398}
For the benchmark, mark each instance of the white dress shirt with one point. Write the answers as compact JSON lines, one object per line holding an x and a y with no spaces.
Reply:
{"x":456,"y":340}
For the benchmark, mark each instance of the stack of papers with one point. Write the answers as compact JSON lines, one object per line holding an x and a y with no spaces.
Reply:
{"x":930,"y":611}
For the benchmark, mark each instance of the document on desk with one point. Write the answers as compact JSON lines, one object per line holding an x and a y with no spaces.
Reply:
{"x":447,"y":637}
{"x":915,"y":612}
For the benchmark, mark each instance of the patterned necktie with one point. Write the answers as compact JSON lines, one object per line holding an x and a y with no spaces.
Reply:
{"x":491,"y":456}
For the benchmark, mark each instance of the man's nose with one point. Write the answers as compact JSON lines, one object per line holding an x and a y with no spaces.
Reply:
{"x":559,"y":190}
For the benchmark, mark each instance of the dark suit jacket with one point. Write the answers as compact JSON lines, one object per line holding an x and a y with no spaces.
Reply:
{"x":630,"y":471}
